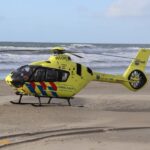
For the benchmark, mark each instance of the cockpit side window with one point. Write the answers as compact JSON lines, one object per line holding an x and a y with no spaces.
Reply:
{"x":26,"y":72}
{"x":56,"y":75}
{"x":51,"y":75}
{"x":63,"y":76}
{"x":39,"y":75}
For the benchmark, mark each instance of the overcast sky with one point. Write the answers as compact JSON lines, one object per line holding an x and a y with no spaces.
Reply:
{"x":80,"y":21}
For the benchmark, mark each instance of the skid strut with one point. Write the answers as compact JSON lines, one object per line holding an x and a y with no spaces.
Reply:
{"x":69,"y":103}
{"x":39,"y":101}
{"x":49,"y":100}
{"x":19,"y":101}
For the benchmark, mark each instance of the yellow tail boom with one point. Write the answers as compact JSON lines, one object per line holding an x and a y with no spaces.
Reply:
{"x":134,"y":77}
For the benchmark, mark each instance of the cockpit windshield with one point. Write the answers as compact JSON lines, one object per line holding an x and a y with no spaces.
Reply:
{"x":23,"y":73}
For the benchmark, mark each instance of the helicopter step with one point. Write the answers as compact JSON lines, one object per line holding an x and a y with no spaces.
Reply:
{"x":39,"y":99}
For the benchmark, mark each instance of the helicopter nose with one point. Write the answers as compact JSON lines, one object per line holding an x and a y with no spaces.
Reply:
{"x":8,"y":79}
{"x":13,"y":82}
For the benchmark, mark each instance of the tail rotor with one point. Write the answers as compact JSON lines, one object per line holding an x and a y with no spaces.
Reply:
{"x":137,"y":79}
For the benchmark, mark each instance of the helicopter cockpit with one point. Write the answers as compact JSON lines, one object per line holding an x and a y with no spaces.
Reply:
{"x":29,"y":73}
{"x":22,"y":75}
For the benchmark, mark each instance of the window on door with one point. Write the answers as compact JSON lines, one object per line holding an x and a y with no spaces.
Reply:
{"x":49,"y":75}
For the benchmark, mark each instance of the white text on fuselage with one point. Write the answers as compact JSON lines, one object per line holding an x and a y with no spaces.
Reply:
{"x":62,"y":58}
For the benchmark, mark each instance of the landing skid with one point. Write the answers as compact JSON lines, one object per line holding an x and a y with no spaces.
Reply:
{"x":20,"y":103}
{"x":39,"y":99}
{"x":33,"y":104}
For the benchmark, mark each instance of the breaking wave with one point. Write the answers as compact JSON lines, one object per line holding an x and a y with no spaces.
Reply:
{"x":99,"y":57}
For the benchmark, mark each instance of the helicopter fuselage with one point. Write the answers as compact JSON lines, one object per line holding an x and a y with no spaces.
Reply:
{"x":57,"y":77}
{"x":60,"y":77}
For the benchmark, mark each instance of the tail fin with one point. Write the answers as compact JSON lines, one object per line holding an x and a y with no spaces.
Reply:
{"x":135,"y":72}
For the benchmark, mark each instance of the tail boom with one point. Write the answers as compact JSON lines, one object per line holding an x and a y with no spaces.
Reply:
{"x":134,"y":77}
{"x":102,"y":77}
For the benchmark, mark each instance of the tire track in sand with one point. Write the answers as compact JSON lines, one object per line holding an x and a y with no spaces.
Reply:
{"x":15,"y":139}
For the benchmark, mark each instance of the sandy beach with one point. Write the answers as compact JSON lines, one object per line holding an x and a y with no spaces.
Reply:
{"x":102,"y":116}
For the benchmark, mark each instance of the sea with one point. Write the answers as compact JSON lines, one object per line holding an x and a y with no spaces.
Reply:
{"x":106,"y":58}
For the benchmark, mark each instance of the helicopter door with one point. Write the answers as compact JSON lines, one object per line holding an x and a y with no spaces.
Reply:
{"x":55,"y":75}
{"x":44,"y":74}
{"x":49,"y":75}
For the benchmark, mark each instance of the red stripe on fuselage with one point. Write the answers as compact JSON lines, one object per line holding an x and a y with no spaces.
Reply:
{"x":33,"y":85}
{"x":43,"y":85}
{"x":53,"y":86}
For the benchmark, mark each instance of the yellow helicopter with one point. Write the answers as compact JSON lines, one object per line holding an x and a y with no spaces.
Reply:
{"x":60,"y":77}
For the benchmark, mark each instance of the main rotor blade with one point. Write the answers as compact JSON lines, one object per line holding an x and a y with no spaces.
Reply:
{"x":116,"y":56}
{"x":76,"y":55}
{"x":73,"y":53}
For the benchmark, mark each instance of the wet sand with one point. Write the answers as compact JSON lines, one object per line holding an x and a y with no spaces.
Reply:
{"x":120,"y":119}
